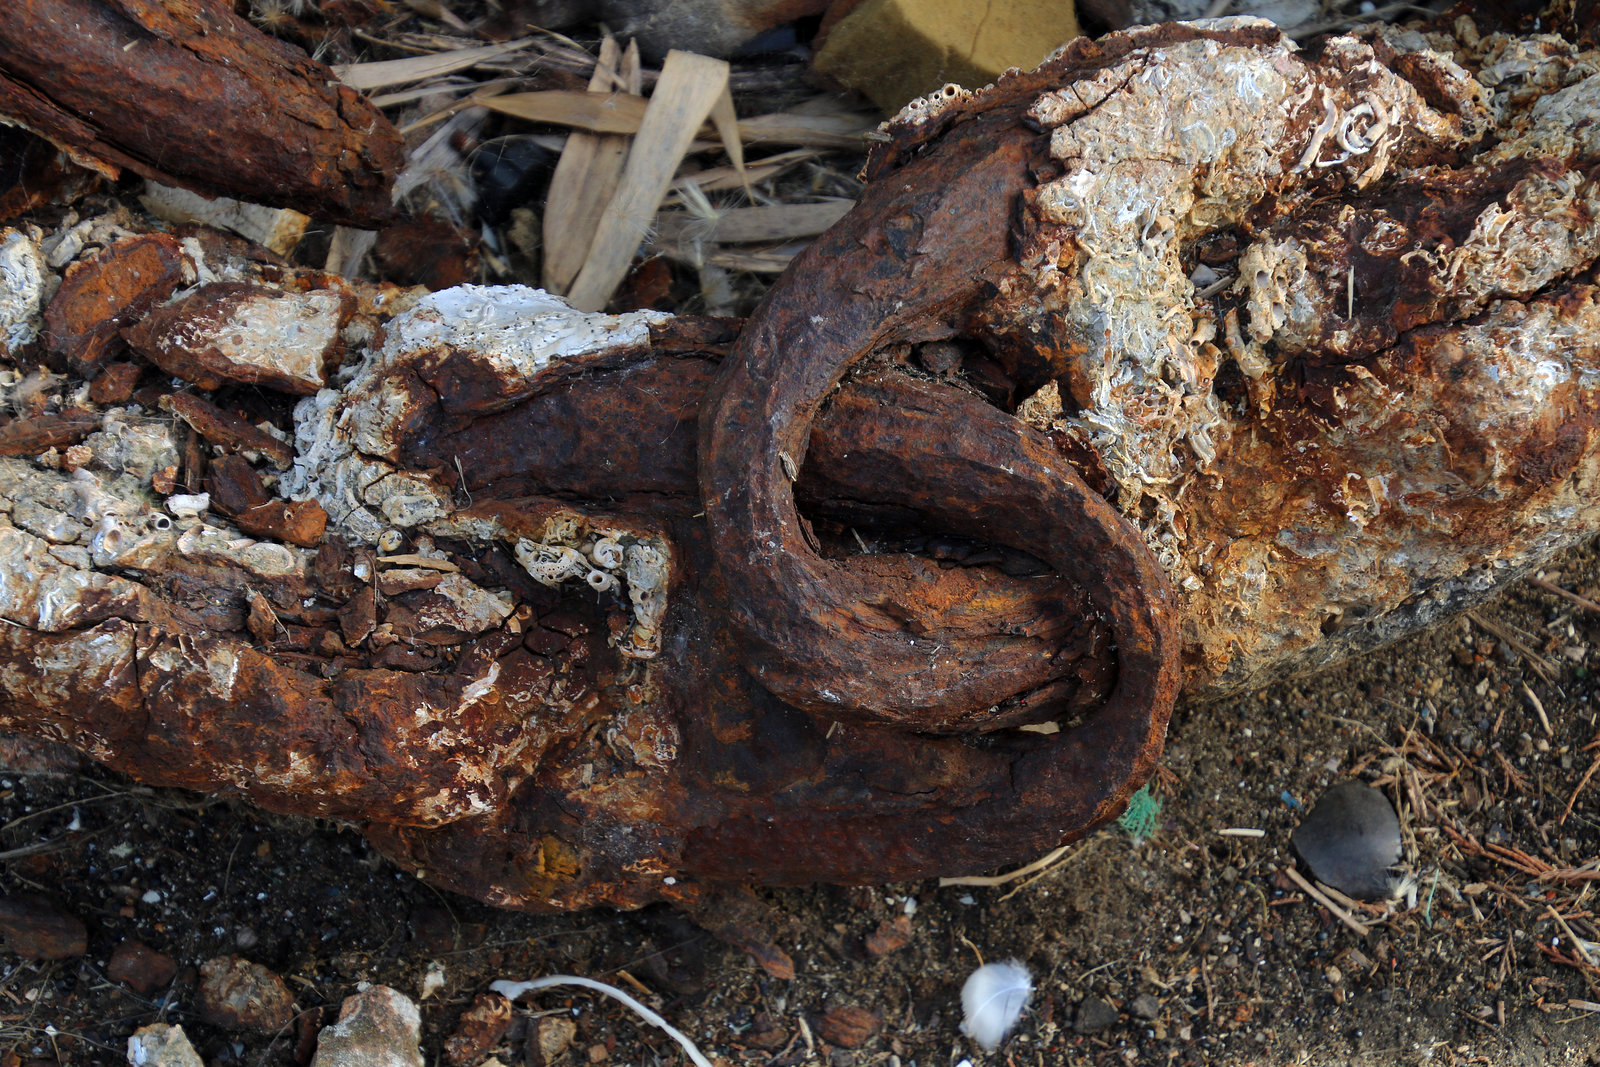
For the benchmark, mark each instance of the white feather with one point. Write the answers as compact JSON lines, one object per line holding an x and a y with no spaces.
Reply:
{"x":993,"y":999}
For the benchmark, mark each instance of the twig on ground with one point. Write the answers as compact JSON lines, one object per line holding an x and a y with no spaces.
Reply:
{"x":1538,"y":663}
{"x":1588,"y":774}
{"x":1327,"y":902}
{"x":1581,"y":601}
{"x":1538,"y":706}
{"x":1010,"y":876}
{"x":1576,"y":941}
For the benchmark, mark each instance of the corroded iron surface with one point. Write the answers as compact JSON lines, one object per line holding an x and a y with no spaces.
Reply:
{"x":1183,"y":362}
{"x":189,"y":93}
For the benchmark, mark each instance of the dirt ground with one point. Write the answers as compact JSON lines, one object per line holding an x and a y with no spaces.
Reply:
{"x":1186,"y":946}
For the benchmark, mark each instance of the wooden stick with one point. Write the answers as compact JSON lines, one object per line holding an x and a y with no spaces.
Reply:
{"x":1577,"y":942}
{"x":1010,"y":876}
{"x":365,"y":77}
{"x":1588,"y":774}
{"x":689,"y":89}
{"x":1327,"y":902}
{"x":1581,"y":601}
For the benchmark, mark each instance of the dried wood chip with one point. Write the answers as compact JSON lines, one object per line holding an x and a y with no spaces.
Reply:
{"x":746,"y":225}
{"x":382,"y":73}
{"x":690,"y":87}
{"x":595,"y":112}
{"x":585,"y":177}
{"x":29,"y":437}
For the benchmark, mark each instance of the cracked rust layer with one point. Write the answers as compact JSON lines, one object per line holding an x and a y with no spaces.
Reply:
{"x":188,"y":93}
{"x":1181,"y":363}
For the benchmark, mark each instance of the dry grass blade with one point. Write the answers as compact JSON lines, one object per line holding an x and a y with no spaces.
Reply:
{"x":1010,"y":876}
{"x":726,"y":121}
{"x":585,"y":177}
{"x":815,"y":131}
{"x":619,"y":113}
{"x":746,"y":225}
{"x":722,"y":179}
{"x":1572,"y":800}
{"x":774,"y":261}
{"x":689,"y":88}
{"x":364,"y":77}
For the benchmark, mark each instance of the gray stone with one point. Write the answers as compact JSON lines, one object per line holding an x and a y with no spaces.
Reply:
{"x":1145,"y":1006}
{"x":1094,"y":1014}
{"x":160,"y":1045}
{"x":378,"y":1027}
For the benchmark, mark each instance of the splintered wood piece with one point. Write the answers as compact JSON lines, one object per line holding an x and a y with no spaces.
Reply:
{"x":689,"y":88}
{"x":225,"y":430}
{"x":187,"y":93}
{"x":386,"y":72}
{"x":591,"y":111}
{"x":585,"y":177}
{"x":277,"y":229}
{"x":744,"y":225}
{"x":28,"y":437}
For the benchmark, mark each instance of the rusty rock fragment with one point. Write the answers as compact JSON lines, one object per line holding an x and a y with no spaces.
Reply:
{"x":239,"y":995}
{"x":36,"y":929}
{"x":227,"y":431}
{"x":101,"y":293}
{"x":1180,"y":363}
{"x":188,"y":93}
{"x":480,"y":1028}
{"x":141,"y":967}
{"x":234,"y":332}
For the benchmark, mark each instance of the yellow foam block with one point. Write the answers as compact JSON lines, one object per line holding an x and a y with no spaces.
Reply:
{"x":897,"y":50}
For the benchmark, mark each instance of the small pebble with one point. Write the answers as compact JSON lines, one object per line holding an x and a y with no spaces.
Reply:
{"x":140,"y":967}
{"x":160,"y":1045}
{"x":1093,"y":1015}
{"x":236,"y":994}
{"x":378,"y":1025}
{"x":35,"y":929}
{"x":1144,"y":1006}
